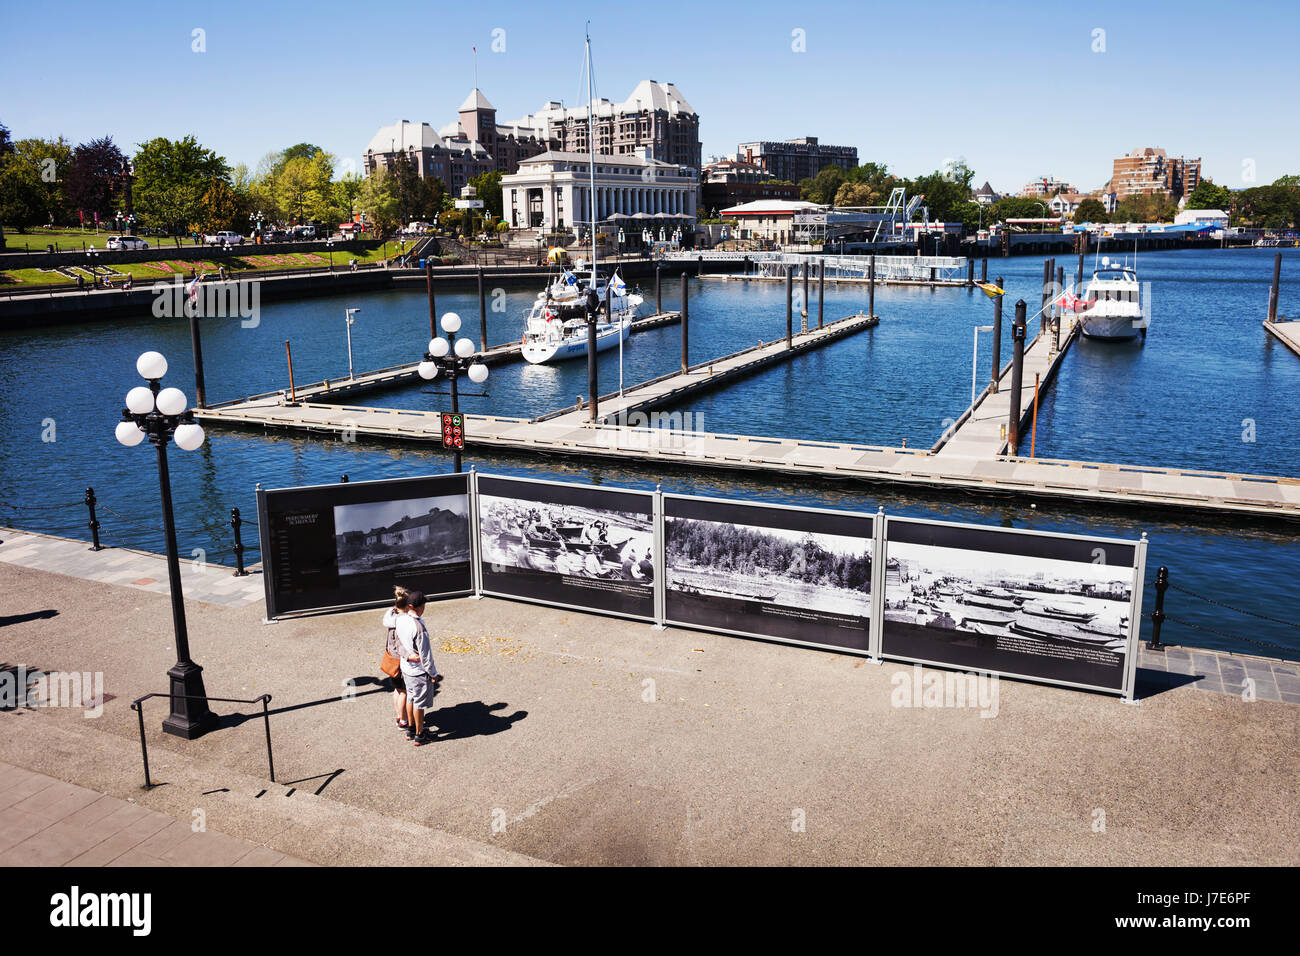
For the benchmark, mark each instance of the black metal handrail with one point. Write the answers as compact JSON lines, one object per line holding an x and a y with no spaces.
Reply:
{"x":265,"y":699}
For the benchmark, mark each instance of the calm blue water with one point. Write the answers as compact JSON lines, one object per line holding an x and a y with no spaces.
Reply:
{"x":1180,"y":400}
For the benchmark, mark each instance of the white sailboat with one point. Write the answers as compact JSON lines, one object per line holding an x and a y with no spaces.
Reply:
{"x":556,"y":326}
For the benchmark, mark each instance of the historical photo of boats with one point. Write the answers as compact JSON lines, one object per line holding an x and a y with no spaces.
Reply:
{"x":570,"y":551}
{"x":769,"y":572}
{"x":411,"y":534}
{"x":1031,"y":613}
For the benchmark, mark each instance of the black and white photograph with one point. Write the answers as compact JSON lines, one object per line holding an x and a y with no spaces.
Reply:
{"x":1002,"y":610}
{"x":569,"y":549}
{"x":400,"y":535}
{"x":769,"y":572}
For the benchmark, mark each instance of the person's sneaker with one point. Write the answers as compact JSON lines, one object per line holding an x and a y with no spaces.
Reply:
{"x":410,"y":733}
{"x":422,"y":738}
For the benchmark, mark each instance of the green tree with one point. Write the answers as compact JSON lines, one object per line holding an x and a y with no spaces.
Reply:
{"x":219,"y":208}
{"x":1090,"y":210}
{"x":171,"y":177}
{"x":20,"y":194}
{"x":302,"y":188}
{"x":347,"y":190}
{"x":1206,"y":195}
{"x":488,"y":188}
{"x":380,"y":202}
{"x":822,"y":188}
{"x":1015,"y":207}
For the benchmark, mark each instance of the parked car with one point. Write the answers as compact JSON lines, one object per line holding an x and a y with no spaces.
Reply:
{"x":127,"y":242}
{"x":303,"y":232}
{"x":274,"y":235}
{"x":224,"y":238}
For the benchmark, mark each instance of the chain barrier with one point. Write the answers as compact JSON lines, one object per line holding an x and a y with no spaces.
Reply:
{"x":1232,"y":637}
{"x":1262,"y":617}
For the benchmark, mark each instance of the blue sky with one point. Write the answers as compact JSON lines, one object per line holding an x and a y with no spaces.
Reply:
{"x":1016,"y":88}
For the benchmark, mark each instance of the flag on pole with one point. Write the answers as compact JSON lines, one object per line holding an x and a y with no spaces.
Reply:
{"x":192,"y":290}
{"x":617,"y":285}
{"x":990,"y":289}
{"x":570,"y":278}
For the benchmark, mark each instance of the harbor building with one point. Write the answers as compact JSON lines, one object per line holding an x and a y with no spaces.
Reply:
{"x":552,"y":191}
{"x":730,"y":182}
{"x":796,"y":159}
{"x":1149,"y":171}
{"x":770,"y":219}
{"x":454,"y":161}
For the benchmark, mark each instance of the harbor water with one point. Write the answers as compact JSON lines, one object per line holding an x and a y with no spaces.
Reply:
{"x":1208,"y":389}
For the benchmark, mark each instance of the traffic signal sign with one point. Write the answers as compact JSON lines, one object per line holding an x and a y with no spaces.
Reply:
{"x":453,"y":431}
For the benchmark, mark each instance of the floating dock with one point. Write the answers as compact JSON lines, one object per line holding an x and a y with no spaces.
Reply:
{"x":1288,"y":333}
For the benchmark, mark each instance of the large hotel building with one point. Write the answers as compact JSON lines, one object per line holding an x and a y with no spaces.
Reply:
{"x":796,"y":159}
{"x":654,"y":122}
{"x":1149,"y":172}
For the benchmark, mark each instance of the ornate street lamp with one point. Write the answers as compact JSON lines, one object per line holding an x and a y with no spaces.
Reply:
{"x":158,"y":414}
{"x":452,"y":360}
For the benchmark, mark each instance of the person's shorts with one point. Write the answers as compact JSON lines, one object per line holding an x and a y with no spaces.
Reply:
{"x":419,"y":690}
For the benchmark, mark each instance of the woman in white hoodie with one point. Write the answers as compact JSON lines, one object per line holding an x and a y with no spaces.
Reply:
{"x":395,"y":648}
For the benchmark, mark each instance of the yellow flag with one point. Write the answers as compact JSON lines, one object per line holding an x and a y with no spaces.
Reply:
{"x":990,"y":289}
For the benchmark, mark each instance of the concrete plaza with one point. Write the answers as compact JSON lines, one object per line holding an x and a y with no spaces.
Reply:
{"x":576,"y":739}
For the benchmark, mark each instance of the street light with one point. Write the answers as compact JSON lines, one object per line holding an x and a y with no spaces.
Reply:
{"x":974,"y":359}
{"x":348,"y":313}
{"x":451,"y":359}
{"x":158,"y":414}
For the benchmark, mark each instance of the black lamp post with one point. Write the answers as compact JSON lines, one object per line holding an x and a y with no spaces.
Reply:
{"x":160,"y":414}
{"x":452,"y":360}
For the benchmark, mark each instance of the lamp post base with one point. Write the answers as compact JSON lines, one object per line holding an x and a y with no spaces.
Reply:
{"x":190,"y":717}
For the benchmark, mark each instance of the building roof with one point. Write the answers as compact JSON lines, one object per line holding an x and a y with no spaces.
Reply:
{"x":772,"y":207}
{"x":476,"y":101}
{"x":402,"y":136}
{"x":625,"y":159}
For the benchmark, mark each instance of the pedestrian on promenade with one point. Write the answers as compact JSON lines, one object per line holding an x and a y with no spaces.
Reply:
{"x":394,"y":648}
{"x":418,"y":669}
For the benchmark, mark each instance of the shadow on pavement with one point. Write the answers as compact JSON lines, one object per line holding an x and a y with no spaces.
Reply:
{"x":473,"y":719}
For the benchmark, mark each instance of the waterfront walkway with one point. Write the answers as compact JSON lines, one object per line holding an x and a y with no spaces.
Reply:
{"x":549,"y":749}
{"x":1288,"y":333}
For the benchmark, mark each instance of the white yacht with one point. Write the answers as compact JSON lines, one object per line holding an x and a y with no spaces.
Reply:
{"x":556,"y":327}
{"x":1111,"y":308}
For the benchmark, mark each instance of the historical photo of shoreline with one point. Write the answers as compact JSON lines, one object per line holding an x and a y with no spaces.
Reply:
{"x":567,"y":540}
{"x":799,"y":585}
{"x":1025,"y":604}
{"x":403,"y":535}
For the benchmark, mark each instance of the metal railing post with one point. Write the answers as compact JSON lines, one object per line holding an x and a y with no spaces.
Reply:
{"x":235,"y":523}
{"x":266,"y":717}
{"x":1158,"y":615}
{"x":94,"y":522}
{"x":144,"y":748}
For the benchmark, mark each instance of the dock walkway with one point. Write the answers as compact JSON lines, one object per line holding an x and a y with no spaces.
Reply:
{"x":676,"y":386}
{"x":1288,"y":333}
{"x":409,"y":371}
{"x":980,"y":433}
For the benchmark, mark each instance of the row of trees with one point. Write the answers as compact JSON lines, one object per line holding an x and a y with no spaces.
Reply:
{"x":180,"y":186}
{"x":948,"y":195}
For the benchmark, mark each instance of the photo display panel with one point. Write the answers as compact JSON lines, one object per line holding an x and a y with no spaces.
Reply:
{"x":348,"y":544}
{"x":589,"y":548}
{"x":1040,"y":606}
{"x":785,"y":573}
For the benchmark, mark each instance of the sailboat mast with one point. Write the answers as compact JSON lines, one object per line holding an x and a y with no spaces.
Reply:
{"x":591,"y":147}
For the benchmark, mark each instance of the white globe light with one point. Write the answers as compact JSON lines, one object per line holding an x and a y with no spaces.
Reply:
{"x":478,"y":373}
{"x":189,"y":436}
{"x":428,"y":371}
{"x":439,"y":347}
{"x":464,"y":348}
{"x":129,"y":434}
{"x":172,"y":401}
{"x":151,"y":365}
{"x":451,"y":323}
{"x":140,"y":400}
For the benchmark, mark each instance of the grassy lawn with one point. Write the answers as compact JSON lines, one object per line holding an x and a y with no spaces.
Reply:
{"x":163,"y":270}
{"x":71,"y":238}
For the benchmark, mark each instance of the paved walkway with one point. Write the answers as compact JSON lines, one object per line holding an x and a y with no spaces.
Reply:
{"x":210,"y":583}
{"x":46,"y":822}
